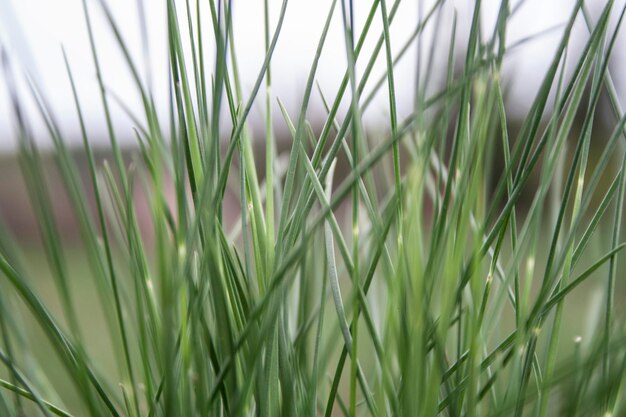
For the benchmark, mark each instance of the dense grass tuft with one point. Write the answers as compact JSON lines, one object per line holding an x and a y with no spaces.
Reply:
{"x":450,"y":287}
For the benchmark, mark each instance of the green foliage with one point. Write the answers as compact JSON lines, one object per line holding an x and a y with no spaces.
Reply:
{"x":443,"y":292}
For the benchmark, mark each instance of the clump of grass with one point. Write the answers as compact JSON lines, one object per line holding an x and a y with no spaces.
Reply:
{"x":447,"y":295}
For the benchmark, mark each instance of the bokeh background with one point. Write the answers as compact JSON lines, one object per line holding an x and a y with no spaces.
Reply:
{"x":33,"y":34}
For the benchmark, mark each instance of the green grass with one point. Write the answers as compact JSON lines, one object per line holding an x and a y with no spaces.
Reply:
{"x":451,"y":288}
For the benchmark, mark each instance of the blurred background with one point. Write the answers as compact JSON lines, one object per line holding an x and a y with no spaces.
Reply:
{"x":33,"y":34}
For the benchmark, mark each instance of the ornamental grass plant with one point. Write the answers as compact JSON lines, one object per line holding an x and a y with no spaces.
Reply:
{"x":438,"y":272}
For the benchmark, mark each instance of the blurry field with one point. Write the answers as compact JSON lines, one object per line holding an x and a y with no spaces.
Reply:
{"x":92,"y":321}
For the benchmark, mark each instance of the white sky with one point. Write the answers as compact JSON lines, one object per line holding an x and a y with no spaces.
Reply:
{"x":32,"y":31}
